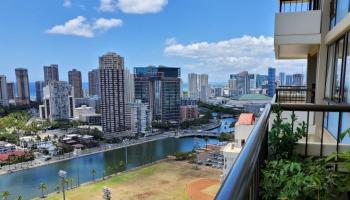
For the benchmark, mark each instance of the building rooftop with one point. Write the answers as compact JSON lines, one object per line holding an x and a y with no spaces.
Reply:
{"x":232,"y":148}
{"x":246,"y":119}
{"x":247,"y":97}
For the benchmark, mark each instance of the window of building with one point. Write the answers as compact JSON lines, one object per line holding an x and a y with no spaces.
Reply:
{"x":342,"y":9}
{"x":347,"y":75}
{"x":338,"y":10}
{"x":330,"y":71}
{"x":337,"y":71}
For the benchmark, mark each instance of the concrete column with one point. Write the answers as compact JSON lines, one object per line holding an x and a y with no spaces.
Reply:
{"x":322,"y":64}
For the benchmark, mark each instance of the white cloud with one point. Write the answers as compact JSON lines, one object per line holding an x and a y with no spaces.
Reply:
{"x":79,"y":26}
{"x":108,"y":5}
{"x":67,"y":3}
{"x":221,"y":58}
{"x":133,"y":6}
{"x":106,"y":24}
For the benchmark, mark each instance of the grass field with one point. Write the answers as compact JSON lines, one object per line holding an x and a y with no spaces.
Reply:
{"x":161,"y":181}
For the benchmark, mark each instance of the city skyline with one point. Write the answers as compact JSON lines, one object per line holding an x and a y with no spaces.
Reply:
{"x":52,"y":42}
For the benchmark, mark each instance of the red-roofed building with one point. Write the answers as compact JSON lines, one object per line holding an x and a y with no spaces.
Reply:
{"x":243,"y":127}
{"x":246,"y":119}
{"x":5,"y":156}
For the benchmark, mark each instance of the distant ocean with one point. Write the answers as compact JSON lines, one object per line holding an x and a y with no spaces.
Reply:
{"x":86,"y":87}
{"x":33,"y":92}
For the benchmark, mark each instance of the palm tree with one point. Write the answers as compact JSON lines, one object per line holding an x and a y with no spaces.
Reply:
{"x":93,"y":173}
{"x":5,"y":195}
{"x":42,"y":187}
{"x":71,"y":183}
{"x":121,"y":165}
{"x":19,"y":197}
{"x":206,"y":142}
{"x":66,"y":181}
{"x":58,"y":188}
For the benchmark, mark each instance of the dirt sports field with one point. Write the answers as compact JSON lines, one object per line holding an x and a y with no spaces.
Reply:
{"x":168,"y":180}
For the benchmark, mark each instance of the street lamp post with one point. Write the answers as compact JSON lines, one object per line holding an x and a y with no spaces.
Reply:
{"x":63,"y":174}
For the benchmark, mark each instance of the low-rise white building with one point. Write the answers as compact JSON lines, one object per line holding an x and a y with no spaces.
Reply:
{"x":81,"y":112}
{"x":230,"y":152}
{"x":243,"y":128}
{"x":139,"y":118}
{"x":6,"y":147}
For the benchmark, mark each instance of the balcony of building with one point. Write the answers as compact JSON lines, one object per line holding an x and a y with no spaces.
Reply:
{"x":324,"y":125}
{"x":297,"y":28}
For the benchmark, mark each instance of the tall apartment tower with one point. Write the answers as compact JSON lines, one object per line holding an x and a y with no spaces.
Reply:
{"x":112,"y":95}
{"x":39,"y":90}
{"x":129,"y":87}
{"x":51,"y":73}
{"x":94,"y":82}
{"x":202,"y":80}
{"x":242,"y":83}
{"x":23,"y":94}
{"x":4,"y":100}
{"x":196,"y":82}
{"x":193,"y":90}
{"x":159,"y":87}
{"x":58,"y":101}
{"x":289,"y":80}
{"x":298,"y":79}
{"x":75,"y":80}
{"x":271,"y":81}
{"x":282,"y":78}
{"x":11,"y":91}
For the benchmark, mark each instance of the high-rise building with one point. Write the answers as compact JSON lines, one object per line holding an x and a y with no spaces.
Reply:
{"x":252,"y":81}
{"x":196,"y":81}
{"x":260,"y":79}
{"x":112,"y":95}
{"x":23,"y":94}
{"x":218,"y":92}
{"x":58,"y":101}
{"x":242,"y":83}
{"x":193,"y":90}
{"x":271,"y":81}
{"x":289,"y":80}
{"x":205,"y":93}
{"x":129,"y":86}
{"x":202,"y":80}
{"x":4,"y":100}
{"x":39,"y":87}
{"x":51,"y":73}
{"x":298,"y":79}
{"x":139,"y":118}
{"x":282,"y":78}
{"x":94,"y":82}
{"x":159,"y":87}
{"x":75,"y":80}
{"x":11,"y":91}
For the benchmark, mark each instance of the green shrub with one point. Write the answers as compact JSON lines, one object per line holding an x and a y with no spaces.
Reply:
{"x":283,"y":136}
{"x":305,"y":179}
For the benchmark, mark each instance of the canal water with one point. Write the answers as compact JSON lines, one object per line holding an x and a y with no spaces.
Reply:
{"x":225,"y":126}
{"x":26,"y":182}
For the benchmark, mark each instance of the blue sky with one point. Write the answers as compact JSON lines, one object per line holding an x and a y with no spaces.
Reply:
{"x":217,"y":37}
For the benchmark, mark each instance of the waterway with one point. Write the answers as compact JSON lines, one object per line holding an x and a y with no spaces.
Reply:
{"x":26,"y":182}
{"x":224,"y":124}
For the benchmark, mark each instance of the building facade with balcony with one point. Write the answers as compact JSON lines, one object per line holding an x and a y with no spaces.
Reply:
{"x":316,"y":31}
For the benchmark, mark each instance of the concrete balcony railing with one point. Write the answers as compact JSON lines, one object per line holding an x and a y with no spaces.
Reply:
{"x":295,"y":94}
{"x":297,"y":33}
